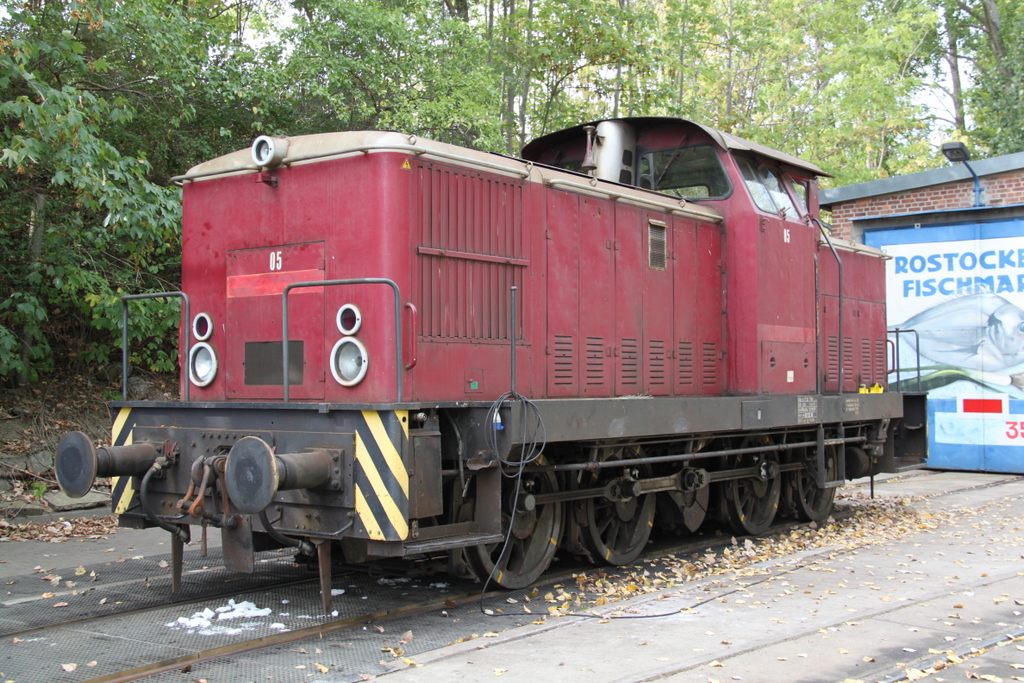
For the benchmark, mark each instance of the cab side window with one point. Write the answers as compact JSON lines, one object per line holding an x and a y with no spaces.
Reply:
{"x":755,"y":186}
{"x":766,"y":189}
{"x":799,"y":190}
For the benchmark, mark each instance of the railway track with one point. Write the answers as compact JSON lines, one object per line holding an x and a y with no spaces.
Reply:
{"x":370,"y":612}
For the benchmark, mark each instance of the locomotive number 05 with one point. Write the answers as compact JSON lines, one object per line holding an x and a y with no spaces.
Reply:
{"x":275,"y":260}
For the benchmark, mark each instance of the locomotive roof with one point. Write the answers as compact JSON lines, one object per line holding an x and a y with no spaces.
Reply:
{"x":311,"y":148}
{"x":728,"y":141}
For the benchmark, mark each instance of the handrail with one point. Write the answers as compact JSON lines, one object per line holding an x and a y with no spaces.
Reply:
{"x":896,"y":353}
{"x":124,"y":335}
{"x":840,"y":349}
{"x":331,"y":283}
{"x":684,"y":209}
{"x":415,"y":349}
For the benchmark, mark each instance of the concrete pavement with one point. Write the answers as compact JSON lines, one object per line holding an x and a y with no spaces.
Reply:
{"x":881,"y":609}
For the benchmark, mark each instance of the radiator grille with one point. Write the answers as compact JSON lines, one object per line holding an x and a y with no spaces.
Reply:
{"x":564,"y":363}
{"x":629,"y":366}
{"x":595,"y":375}
{"x":709,"y":363}
{"x":684,"y":363}
{"x":471,"y":252}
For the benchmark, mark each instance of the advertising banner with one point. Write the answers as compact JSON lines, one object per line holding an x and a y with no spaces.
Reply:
{"x":955,"y":302}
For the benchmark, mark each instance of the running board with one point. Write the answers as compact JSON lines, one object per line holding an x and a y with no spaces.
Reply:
{"x":434,"y":545}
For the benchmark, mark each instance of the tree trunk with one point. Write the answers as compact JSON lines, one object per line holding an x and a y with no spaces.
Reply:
{"x":37,"y":226}
{"x":953,"y":61}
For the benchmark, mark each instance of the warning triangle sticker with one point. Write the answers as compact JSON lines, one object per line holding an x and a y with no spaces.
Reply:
{"x":406,"y":166}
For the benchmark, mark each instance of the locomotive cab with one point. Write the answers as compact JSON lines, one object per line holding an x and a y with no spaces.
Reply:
{"x":406,"y":348}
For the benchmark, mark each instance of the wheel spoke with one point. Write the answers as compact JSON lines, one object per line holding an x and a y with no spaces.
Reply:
{"x":529,"y":553}
{"x":607,"y":536}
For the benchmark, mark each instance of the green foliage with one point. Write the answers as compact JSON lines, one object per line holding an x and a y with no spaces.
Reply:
{"x":102,"y":103}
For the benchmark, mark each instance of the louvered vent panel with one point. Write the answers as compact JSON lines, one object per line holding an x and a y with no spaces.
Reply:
{"x":709,"y":363}
{"x":880,"y":374}
{"x":563,"y":360}
{"x":832,"y":360}
{"x":684,"y":363}
{"x":848,"y":373}
{"x":657,"y":255}
{"x":865,"y":361}
{"x":595,"y":361}
{"x":471,"y":251}
{"x":656,"y":366}
{"x":629,"y":362}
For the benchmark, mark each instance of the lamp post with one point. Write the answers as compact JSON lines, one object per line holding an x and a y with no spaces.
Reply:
{"x":958,"y":152}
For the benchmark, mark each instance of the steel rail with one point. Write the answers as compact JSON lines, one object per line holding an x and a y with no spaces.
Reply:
{"x":288,"y":637}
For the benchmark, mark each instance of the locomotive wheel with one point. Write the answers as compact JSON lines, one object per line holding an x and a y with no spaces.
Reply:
{"x":616,"y":531}
{"x":750,"y":504}
{"x":811,"y":503}
{"x":532,"y":533}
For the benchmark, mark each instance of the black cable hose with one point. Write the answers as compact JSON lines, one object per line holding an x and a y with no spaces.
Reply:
{"x":175,"y":529}
{"x":532,"y":449}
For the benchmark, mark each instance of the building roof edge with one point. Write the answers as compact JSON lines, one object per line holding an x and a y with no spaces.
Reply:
{"x":913,"y":181}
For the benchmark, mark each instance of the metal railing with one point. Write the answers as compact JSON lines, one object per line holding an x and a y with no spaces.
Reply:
{"x":896,"y":332}
{"x":331,"y":283}
{"x":124,"y":334}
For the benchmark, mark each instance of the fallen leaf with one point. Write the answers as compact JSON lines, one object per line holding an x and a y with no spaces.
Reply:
{"x":380,"y":629}
{"x":407,"y":636}
{"x":866,"y":659}
{"x":60,"y":604}
{"x":497,"y":672}
{"x":320,"y":667}
{"x":92,"y":663}
{"x":714,"y":663}
{"x":81,"y":570}
{"x":450,"y":604}
{"x":69,"y":667}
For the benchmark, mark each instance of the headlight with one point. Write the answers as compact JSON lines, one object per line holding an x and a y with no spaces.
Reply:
{"x":349,"y":361}
{"x":202,"y":364}
{"x":202,"y":326}
{"x":349,"y":319}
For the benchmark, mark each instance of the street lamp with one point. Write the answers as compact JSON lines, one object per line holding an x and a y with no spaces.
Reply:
{"x":957,"y":152}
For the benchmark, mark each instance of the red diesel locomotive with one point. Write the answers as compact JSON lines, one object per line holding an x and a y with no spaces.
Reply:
{"x":640,"y":322}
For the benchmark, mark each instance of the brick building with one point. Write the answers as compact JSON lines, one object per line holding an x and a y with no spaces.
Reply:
{"x":954,"y":300}
{"x":934,"y":192}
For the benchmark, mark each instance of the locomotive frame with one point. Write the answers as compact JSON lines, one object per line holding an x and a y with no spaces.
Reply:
{"x":666,"y":379}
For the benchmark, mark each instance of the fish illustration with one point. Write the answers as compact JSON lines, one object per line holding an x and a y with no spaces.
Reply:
{"x":981,"y":331}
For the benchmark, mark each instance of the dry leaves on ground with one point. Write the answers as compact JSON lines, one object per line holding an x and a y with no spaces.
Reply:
{"x":77,"y":528}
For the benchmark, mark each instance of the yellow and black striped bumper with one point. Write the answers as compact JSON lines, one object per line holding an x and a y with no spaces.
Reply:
{"x":380,"y":475}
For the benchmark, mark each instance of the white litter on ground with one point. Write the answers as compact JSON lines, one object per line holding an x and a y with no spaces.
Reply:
{"x":336,"y":591}
{"x":203,"y":622}
{"x":393,"y":582}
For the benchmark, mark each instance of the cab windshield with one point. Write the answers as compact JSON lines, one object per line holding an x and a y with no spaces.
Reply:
{"x":685,"y":172}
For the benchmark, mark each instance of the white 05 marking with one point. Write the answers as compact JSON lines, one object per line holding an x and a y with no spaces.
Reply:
{"x":275,"y":260}
{"x":785,"y":236}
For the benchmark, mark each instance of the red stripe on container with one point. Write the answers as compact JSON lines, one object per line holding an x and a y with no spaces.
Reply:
{"x":983,"y":405}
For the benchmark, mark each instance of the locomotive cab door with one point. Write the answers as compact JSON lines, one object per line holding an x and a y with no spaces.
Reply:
{"x":256,"y":279}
